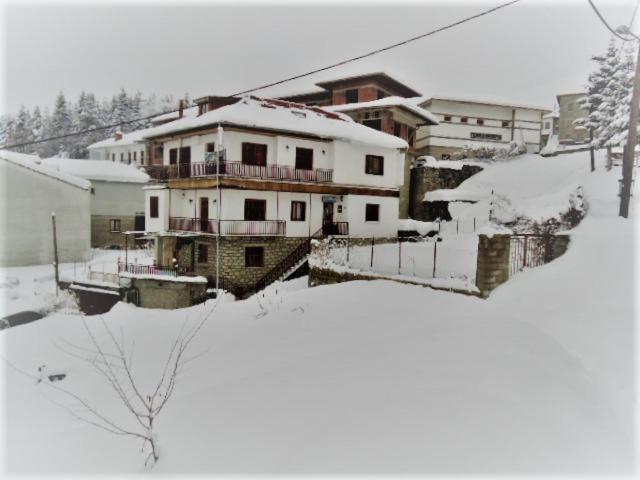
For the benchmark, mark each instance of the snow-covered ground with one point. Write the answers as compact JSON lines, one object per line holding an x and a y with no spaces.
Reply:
{"x":365,"y":377}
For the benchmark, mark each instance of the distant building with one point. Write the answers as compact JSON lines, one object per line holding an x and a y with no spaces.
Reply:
{"x":569,"y":111}
{"x":28,"y":195}
{"x":474,"y":123}
{"x":117,"y":197}
{"x":550,"y":126}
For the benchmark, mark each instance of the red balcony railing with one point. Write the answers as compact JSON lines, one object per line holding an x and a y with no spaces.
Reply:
{"x":239,"y":169}
{"x":229,"y":227}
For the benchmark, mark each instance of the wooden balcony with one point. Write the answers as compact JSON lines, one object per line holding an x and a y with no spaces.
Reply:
{"x":239,"y":170}
{"x":269,"y":228}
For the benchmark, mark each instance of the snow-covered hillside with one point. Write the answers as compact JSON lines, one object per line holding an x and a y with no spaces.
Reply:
{"x":367,"y":377}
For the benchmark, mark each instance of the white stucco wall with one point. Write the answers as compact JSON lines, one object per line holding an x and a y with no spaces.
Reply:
{"x":27,"y":199}
{"x":116,"y":151}
{"x":117,"y":198}
{"x":161,"y":223}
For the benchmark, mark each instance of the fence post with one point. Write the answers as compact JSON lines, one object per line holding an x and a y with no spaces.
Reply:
{"x":457,"y":226}
{"x":474,"y":224}
{"x":348,"y":244}
{"x":524,"y":255}
{"x":372,"y":243}
{"x":399,"y":255}
{"x":439,"y":222}
{"x":435,"y":251}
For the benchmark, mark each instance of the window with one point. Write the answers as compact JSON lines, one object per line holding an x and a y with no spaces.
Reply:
{"x":547,"y":125}
{"x":141,"y":157}
{"x":374,"y":165}
{"x":185,"y":155}
{"x":351,"y":96}
{"x":480,"y":121}
{"x":254,"y":154}
{"x":254,"y":256}
{"x":372,"y":212}
{"x":298,"y":211}
{"x":376,"y":123}
{"x":203,"y":253}
{"x":129,"y":158}
{"x":255,"y":209}
{"x":173,"y":156}
{"x":505,"y":123}
{"x":411,"y":136}
{"x":381,"y":94}
{"x":486,"y":136}
{"x":93,"y":191}
{"x":113,"y":157}
{"x":159,"y":154}
{"x":210,"y":147}
{"x":397,"y":129}
{"x":153,"y":206}
{"x":464,"y":119}
{"x":114,"y":224}
{"x":304,"y":158}
{"x":447,"y":118}
{"x":121,"y":157}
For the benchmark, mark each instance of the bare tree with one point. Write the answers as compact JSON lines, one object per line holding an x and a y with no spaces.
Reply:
{"x":115,"y":365}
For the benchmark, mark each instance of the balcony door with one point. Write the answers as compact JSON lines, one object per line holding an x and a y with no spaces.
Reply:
{"x":327,"y":217}
{"x":185,"y":162}
{"x":204,"y":214}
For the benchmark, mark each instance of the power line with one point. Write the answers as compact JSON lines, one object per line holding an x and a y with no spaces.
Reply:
{"x":384,"y":49}
{"x":595,"y":9}
{"x":279,"y":82}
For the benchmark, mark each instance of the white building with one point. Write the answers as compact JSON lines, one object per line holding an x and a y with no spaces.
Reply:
{"x":117,"y":198}
{"x":472,"y":123}
{"x":291,"y":172}
{"x":29,"y":193}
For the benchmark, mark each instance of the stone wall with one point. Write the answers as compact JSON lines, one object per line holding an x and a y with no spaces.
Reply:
{"x":427,"y":179}
{"x":101,"y":234}
{"x":232,"y":256}
{"x":167,"y":294}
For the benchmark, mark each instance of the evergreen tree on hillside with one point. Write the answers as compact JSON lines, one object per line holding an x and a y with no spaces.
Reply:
{"x":61,"y":123}
{"x":608,"y":97}
{"x":21,"y":132}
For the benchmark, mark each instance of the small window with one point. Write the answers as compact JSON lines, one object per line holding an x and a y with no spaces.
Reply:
{"x":505,"y":123}
{"x":203,"y":253}
{"x":304,"y":158}
{"x":121,"y":157}
{"x":210,"y":147}
{"x":173,"y":156}
{"x":547,"y":125}
{"x":375,"y":123}
{"x":464,"y":119}
{"x":411,"y":136}
{"x":255,"y":210}
{"x":374,"y":165}
{"x":381,"y":94}
{"x":372,"y":212}
{"x":153,"y":206}
{"x":135,"y":155}
{"x":113,"y":157}
{"x":254,"y":257}
{"x":141,"y":157}
{"x":480,"y":121}
{"x":93,"y":191}
{"x":114,"y":224}
{"x":254,"y":154}
{"x":351,"y":96}
{"x":298,"y":211}
{"x":447,"y":118}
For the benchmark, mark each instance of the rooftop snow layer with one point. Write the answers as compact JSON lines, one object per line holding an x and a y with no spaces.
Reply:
{"x":32,"y":162}
{"x":130,"y":138}
{"x":102,"y":170}
{"x":423,"y":100}
{"x":406,"y":103}
{"x":187,"y":112}
{"x":285,"y":117}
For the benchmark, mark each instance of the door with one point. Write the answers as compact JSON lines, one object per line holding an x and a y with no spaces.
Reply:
{"x":327,"y":218}
{"x":204,"y":214}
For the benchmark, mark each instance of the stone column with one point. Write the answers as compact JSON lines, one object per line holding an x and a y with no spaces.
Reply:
{"x":493,"y":262}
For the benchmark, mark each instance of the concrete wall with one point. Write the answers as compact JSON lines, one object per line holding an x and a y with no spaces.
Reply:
{"x":167,"y":294}
{"x":27,"y":199}
{"x":117,"y":198}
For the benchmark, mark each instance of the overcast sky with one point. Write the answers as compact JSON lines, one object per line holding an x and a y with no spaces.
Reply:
{"x":525,"y":53}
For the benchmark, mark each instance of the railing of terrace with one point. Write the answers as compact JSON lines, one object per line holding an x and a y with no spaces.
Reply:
{"x":229,"y":227}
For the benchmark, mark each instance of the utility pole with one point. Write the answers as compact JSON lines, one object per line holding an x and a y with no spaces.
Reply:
{"x":55,"y":250}
{"x":219,"y":156}
{"x":632,"y":140}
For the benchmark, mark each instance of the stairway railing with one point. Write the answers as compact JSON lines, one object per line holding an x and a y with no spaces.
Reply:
{"x":285,"y":264}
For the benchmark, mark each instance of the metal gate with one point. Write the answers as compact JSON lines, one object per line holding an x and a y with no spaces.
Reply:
{"x":527,"y":251}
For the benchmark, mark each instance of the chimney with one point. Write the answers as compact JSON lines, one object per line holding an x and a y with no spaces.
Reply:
{"x":180,"y":108}
{"x":118,"y":135}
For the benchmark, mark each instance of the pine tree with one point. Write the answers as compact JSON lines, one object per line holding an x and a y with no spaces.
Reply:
{"x":608,"y":97}
{"x":22,"y":130}
{"x":61,"y":123}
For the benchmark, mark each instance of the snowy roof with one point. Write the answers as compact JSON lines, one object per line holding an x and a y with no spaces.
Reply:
{"x":423,"y":100}
{"x":102,"y":170}
{"x":405,"y":103}
{"x":553,"y":114}
{"x":283,"y":116}
{"x":32,"y":162}
{"x":130,"y":138}
{"x":187,"y":112}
